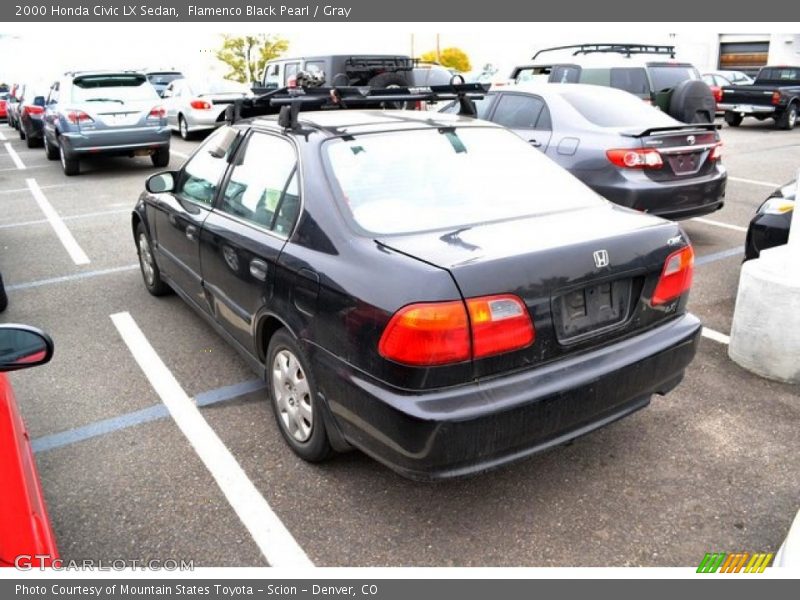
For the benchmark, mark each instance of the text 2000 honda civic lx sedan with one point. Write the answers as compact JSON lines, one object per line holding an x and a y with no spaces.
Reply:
{"x":428,"y":289}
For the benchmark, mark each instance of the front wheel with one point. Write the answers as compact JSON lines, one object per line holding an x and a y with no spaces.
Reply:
{"x":147,"y":262}
{"x":733,"y":119}
{"x":160,"y":158}
{"x":295,"y":403}
{"x":788,"y":118}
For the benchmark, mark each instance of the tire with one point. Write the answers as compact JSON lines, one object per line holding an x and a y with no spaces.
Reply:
{"x":32,"y":142}
{"x":692,"y":101}
{"x":292,"y":391}
{"x":391,"y":80}
{"x":733,"y":119}
{"x":71,"y":165}
{"x":160,"y":158}
{"x":183,"y":129}
{"x":21,"y":130}
{"x":3,"y":296}
{"x":788,"y":118}
{"x":51,"y":152}
{"x":151,"y":275}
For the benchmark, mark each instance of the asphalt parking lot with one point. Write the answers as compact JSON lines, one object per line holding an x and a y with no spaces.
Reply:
{"x":711,"y":467}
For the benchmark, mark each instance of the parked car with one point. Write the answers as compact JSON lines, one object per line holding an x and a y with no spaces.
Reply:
{"x":195,"y":105}
{"x":25,"y":528}
{"x":621,"y":147}
{"x":12,"y":104}
{"x":499,"y":307}
{"x":4,"y":106}
{"x":374,"y":70}
{"x":160,"y":79}
{"x":715,"y":84}
{"x":770,"y":225}
{"x":775,"y":94}
{"x":674,"y":87}
{"x":734,"y":77}
{"x":104,"y":112}
{"x":30,"y":113}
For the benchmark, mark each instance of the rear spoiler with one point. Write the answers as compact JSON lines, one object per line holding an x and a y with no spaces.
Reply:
{"x":688,"y":127}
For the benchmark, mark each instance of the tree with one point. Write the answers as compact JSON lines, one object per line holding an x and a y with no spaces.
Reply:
{"x":246,"y":55}
{"x":452,"y":58}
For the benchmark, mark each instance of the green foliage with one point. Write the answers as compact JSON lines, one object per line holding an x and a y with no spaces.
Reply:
{"x":246,"y":55}
{"x":452,"y":58}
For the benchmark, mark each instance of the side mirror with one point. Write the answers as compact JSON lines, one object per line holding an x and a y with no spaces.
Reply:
{"x":160,"y":182}
{"x":22,"y":346}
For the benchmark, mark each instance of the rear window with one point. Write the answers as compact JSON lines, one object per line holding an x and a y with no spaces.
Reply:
{"x":112,"y":88}
{"x":667,"y":77}
{"x":622,"y":111}
{"x":421,"y":180}
{"x":779,"y":74}
{"x":630,"y":79}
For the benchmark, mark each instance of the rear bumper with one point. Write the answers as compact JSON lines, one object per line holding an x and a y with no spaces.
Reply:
{"x":201,"y":120}
{"x":115,"y":141}
{"x":472,"y":428}
{"x":746,"y":109}
{"x":675,"y":199}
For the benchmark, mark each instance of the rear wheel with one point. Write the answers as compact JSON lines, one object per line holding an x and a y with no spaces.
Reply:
{"x":70,"y":164}
{"x":183,"y":128}
{"x":21,"y":130}
{"x":147,"y":262}
{"x":160,"y":157}
{"x":32,"y":142}
{"x":788,"y":118}
{"x":733,"y":119}
{"x":295,"y":403}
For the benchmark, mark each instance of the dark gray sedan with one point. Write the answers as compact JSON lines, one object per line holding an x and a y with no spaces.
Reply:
{"x":626,"y":150}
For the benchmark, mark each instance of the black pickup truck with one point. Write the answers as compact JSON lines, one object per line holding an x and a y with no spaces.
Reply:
{"x":775,"y":94}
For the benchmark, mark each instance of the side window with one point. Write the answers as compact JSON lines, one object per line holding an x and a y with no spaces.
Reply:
{"x":316,"y":67}
{"x":259,"y":189}
{"x":565,"y":74}
{"x":633,"y":80}
{"x":289,"y":71}
{"x":200,"y":178}
{"x":272,"y":79}
{"x":516,"y":111}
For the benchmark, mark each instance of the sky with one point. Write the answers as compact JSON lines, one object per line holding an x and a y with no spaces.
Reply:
{"x":42,"y":55}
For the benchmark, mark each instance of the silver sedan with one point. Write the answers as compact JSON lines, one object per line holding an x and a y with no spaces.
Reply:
{"x":199,"y":105}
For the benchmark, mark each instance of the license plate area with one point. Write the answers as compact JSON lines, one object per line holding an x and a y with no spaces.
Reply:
{"x":591,"y":310}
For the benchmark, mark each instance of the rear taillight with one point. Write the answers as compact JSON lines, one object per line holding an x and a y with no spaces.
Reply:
{"x":636,"y":158}
{"x":32,"y":109}
{"x":200,"y":104}
{"x":776,"y":97}
{"x":437,"y":333}
{"x":676,"y":277}
{"x":716,"y":152}
{"x":157,"y":112}
{"x":717,"y":93}
{"x":78,"y":116}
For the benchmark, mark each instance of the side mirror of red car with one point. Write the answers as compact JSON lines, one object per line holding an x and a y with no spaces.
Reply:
{"x":22,"y":346}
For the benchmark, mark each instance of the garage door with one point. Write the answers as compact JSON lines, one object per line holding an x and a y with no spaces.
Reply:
{"x":743,"y":56}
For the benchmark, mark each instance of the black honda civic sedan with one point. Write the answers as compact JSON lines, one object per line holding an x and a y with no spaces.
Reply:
{"x":426,"y":288}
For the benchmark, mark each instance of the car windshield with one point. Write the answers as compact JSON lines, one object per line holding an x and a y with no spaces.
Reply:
{"x":667,"y":77}
{"x":220,"y":86}
{"x":621,"y":110}
{"x":113,"y":88}
{"x":422,"y":180}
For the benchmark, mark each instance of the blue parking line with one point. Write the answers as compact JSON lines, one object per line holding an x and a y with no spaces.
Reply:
{"x":137,"y":417}
{"x":73,"y":277}
{"x":709,"y":258}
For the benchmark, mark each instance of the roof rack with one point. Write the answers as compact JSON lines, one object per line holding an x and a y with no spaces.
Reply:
{"x":290,"y":101}
{"x":626,"y":49}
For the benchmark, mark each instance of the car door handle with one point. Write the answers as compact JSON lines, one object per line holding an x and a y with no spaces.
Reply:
{"x":191,"y":233}
{"x":258,"y":269}
{"x":535,"y":143}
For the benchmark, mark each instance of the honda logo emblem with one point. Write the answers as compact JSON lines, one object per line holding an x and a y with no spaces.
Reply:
{"x":690,"y":140}
{"x":601,"y":258}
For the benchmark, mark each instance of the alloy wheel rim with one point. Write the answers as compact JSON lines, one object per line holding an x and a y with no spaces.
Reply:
{"x":63,"y":157}
{"x":292,"y":395}
{"x":184,"y":129}
{"x":146,"y":260}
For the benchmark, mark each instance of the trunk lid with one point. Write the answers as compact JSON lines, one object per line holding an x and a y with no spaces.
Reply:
{"x":118,"y":114}
{"x":576,"y":300}
{"x":685,"y":150}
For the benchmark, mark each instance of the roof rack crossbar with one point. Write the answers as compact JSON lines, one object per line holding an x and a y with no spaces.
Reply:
{"x":626,"y":49}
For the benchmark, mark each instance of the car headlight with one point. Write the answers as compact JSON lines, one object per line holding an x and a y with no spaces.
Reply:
{"x":789,"y":190}
{"x":776,"y":206}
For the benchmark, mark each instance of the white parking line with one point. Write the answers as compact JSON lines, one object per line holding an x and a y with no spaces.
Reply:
{"x":768,"y":184}
{"x":716,"y":336}
{"x":44,"y":187}
{"x":14,"y":156}
{"x":3,"y":137}
{"x":75,"y":252}
{"x":269,"y":533}
{"x":720,"y":224}
{"x":99,"y":213}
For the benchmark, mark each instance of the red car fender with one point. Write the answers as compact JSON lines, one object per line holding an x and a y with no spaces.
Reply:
{"x":25,"y":528}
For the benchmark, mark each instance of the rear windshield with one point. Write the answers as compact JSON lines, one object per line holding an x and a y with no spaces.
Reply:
{"x":163,"y":78}
{"x":667,"y":77}
{"x":412,"y":181}
{"x":112,"y":88}
{"x":779,"y":74}
{"x":630,"y":79}
{"x":623,"y":111}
